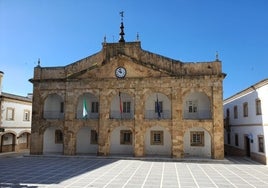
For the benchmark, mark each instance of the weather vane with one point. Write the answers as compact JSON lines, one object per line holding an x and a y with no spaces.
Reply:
{"x":122,"y":28}
{"x":122,"y":15}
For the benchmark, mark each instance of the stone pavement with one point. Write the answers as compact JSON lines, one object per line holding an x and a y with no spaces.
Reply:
{"x":63,"y":171}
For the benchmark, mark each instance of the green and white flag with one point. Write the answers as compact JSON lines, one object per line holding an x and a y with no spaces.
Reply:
{"x":85,"y":114}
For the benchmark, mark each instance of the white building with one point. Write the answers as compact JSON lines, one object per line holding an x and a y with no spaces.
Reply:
{"x":246,"y":123}
{"x":15,"y":121}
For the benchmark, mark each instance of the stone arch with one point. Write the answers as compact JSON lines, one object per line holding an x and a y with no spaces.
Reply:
{"x":197,"y":105}
{"x":53,"y":107}
{"x":120,"y":145}
{"x":152,"y":148}
{"x":85,"y":141}
{"x":52,"y":140}
{"x":8,"y":141}
{"x":196,"y":149}
{"x":162,"y":111}
{"x":23,"y":139}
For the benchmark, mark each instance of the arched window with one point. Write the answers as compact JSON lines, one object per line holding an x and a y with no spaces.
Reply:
{"x":157,"y":106}
{"x":197,"y":106}
{"x":54,"y":107}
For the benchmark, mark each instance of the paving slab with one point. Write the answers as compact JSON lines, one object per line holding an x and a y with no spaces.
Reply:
{"x":28,"y":171}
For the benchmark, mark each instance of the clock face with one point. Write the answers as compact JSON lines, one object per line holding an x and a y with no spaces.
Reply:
{"x":120,"y":72}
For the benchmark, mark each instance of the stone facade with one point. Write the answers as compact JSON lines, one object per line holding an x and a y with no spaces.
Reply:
{"x":149,"y":77}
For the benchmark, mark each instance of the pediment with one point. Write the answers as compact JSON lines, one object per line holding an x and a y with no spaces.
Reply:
{"x":106,"y":69}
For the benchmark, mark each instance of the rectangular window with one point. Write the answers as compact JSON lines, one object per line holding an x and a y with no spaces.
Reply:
{"x":95,"y":107}
{"x":157,"y":138}
{"x":245,"y":109}
{"x":93,"y":137}
{"x":126,"y":107}
{"x":261,"y":143}
{"x":10,"y":114}
{"x":197,"y":138}
{"x":158,"y":107}
{"x":58,"y":137}
{"x":192,"y":106}
{"x":26,"y":115}
{"x":235,"y":112}
{"x":228,"y":113}
{"x":236,"y":140}
{"x":125,"y":137}
{"x":258,"y":107}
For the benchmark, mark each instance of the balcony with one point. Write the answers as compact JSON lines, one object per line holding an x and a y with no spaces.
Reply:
{"x":53,"y":115}
{"x":79,"y":115}
{"x":200,"y":114}
{"x":115,"y":114}
{"x":151,"y":114}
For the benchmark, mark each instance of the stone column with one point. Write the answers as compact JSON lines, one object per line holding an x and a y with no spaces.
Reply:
{"x":218,"y":126}
{"x":36,"y":146}
{"x":177,"y":133}
{"x":138,"y":123}
{"x":69,"y":143}
{"x":102,"y":128}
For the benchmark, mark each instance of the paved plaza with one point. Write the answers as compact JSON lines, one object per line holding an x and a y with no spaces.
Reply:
{"x":74,"y":172}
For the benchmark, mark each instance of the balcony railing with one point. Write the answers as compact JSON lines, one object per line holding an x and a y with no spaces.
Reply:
{"x":49,"y":114}
{"x":151,"y":114}
{"x":200,"y":114}
{"x":115,"y":114}
{"x":79,"y":115}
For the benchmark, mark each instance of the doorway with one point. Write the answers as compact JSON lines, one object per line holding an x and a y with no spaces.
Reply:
{"x":247,"y":146}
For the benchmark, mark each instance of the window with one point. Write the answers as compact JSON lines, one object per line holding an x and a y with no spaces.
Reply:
{"x":58,"y":137}
{"x":258,"y":107}
{"x":192,"y":106}
{"x":10,"y":114}
{"x":261,"y":143}
{"x":159,"y":107}
{"x":228,"y":113}
{"x":126,"y":107}
{"x":197,"y":138}
{"x":157,"y":138}
{"x":125,"y":137}
{"x":95,"y":107}
{"x":245,"y":109}
{"x":228,"y":138}
{"x":235,"y":112}
{"x":236,"y":140}
{"x":26,"y":115}
{"x":94,"y":137}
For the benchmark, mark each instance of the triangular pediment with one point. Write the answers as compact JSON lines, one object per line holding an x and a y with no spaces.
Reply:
{"x":106,"y":69}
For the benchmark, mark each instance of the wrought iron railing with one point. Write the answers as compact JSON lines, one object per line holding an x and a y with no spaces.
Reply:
{"x":200,"y":114}
{"x":116,"y":114}
{"x":151,"y":114}
{"x":49,"y":114}
{"x":90,"y":115}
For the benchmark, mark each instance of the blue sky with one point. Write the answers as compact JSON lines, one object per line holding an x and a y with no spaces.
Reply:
{"x":60,"y":32}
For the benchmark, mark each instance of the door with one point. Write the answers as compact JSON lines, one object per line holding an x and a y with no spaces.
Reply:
{"x":247,"y":146}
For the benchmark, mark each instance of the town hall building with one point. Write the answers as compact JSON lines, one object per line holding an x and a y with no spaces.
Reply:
{"x":124,"y":100}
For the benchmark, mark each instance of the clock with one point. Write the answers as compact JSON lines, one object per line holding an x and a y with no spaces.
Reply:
{"x":120,"y":72}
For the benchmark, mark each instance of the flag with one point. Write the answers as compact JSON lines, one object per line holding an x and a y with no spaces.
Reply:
{"x":158,"y":107}
{"x":85,"y":111}
{"x":120,"y":103}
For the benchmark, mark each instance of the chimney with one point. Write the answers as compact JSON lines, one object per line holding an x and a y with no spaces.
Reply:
{"x":1,"y":78}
